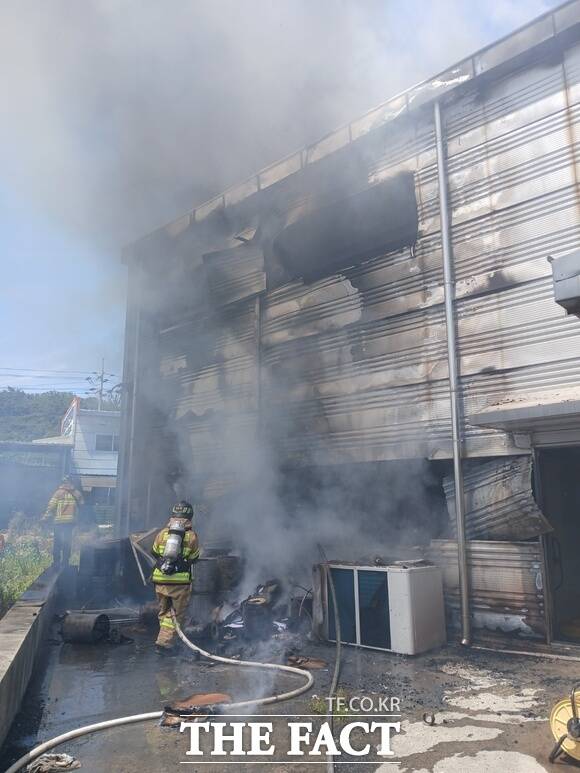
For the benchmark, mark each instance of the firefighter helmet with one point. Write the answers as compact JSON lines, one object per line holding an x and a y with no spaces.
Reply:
{"x":182,"y":510}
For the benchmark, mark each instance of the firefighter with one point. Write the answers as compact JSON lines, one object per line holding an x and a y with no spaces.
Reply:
{"x":63,"y":507}
{"x":175,"y":549}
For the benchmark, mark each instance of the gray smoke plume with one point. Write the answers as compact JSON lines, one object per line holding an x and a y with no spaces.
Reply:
{"x":119,"y":116}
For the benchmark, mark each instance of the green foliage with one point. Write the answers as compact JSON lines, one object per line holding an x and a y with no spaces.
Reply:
{"x":25,"y":416}
{"x":23,"y":559}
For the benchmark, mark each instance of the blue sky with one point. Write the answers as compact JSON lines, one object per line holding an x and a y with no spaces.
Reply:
{"x":118,"y":116}
{"x":62,"y":301}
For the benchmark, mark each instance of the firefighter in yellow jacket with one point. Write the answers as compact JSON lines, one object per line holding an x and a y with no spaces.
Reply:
{"x":175,"y":549}
{"x":63,"y":507}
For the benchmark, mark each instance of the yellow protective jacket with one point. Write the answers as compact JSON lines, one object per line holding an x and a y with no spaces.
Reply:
{"x":64,"y":504}
{"x":189,"y":553}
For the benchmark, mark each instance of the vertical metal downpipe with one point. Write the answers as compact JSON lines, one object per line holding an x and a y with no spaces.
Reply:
{"x":449,"y":287}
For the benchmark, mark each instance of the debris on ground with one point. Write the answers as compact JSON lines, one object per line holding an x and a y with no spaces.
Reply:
{"x":307,"y":664}
{"x":198,"y":704}
{"x":261,"y":616}
{"x":52,"y":763}
{"x":94,"y":626}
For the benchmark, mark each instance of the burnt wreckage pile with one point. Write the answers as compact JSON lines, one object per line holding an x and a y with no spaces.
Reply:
{"x":255,"y":617}
{"x":216,"y":612}
{"x":268,"y":614}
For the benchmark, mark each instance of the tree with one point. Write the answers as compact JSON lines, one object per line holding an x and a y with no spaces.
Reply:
{"x":25,"y":416}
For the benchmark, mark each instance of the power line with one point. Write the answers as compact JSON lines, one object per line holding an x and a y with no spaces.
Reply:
{"x":45,"y":384}
{"x":72,"y":379}
{"x":47,"y":388}
{"x":46,"y":370}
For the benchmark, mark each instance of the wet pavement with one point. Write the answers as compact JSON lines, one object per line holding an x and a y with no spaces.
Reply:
{"x":489,"y":709}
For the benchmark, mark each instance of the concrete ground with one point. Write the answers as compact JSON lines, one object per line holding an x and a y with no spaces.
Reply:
{"x":490,"y":709}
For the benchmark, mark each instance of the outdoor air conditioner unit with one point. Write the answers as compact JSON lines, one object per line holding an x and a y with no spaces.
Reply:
{"x":398,"y":608}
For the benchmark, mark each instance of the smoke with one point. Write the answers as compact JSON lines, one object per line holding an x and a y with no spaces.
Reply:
{"x":275,"y":513}
{"x":360,"y":512}
{"x":119,"y":116}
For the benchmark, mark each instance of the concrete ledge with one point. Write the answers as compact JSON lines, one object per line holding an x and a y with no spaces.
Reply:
{"x":21,"y":631}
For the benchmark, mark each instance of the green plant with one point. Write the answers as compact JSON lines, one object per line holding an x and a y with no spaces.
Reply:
{"x":23,"y":559}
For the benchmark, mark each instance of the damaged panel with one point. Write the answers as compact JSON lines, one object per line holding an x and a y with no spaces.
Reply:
{"x":373,"y":389}
{"x":506,"y":585}
{"x":376,"y":219}
{"x":298,"y":310}
{"x":499,"y":503}
{"x":209,"y":373}
{"x":235,"y":273}
{"x":379,"y":116}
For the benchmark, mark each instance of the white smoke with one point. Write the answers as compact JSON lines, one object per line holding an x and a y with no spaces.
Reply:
{"x":118,"y":116}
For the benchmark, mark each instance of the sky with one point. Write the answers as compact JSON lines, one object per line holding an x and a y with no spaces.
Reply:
{"x":119,"y":115}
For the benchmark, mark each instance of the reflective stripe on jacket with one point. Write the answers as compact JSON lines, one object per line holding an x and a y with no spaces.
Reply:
{"x":189,"y":552}
{"x":64,"y":504}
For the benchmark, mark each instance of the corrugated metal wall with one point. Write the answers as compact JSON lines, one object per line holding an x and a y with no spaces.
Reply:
{"x":356,"y":362}
{"x":506,"y":585}
{"x":499,"y":503}
{"x":209,"y":369}
{"x":369,"y":344}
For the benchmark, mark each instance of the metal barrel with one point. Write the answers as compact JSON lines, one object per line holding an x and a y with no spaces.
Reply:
{"x":216,"y":573}
{"x":229,"y":571}
{"x":85,"y":628}
{"x":205,"y":575}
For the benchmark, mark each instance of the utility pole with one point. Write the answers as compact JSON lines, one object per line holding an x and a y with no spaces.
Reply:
{"x":101,"y":385}
{"x":97,"y":381}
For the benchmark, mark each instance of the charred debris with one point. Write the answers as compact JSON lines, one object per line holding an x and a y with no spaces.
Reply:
{"x":275,"y":618}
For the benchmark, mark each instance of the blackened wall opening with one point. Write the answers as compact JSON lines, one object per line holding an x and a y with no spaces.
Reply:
{"x":559,"y":471}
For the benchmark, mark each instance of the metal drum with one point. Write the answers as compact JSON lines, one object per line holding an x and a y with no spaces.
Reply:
{"x":85,"y":627}
{"x":229,"y":571}
{"x":205,"y":575}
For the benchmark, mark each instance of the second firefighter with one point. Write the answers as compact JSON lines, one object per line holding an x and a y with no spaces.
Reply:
{"x":175,"y":549}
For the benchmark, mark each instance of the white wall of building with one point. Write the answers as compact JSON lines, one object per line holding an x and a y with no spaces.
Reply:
{"x":91,"y":429}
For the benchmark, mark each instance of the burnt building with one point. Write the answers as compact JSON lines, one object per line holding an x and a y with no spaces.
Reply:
{"x":379,"y":302}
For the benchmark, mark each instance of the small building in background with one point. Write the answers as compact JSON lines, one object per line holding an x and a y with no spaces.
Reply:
{"x":93,"y":437}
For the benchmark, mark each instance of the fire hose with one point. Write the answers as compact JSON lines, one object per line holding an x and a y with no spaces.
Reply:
{"x":132,"y":719}
{"x":337,"y":660}
{"x":272,"y":666}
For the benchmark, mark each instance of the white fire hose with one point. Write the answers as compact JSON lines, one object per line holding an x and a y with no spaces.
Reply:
{"x":47,"y":745}
{"x":285,"y":696}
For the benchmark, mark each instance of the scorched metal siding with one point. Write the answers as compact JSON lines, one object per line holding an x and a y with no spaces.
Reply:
{"x":506,"y":585}
{"x":369,"y":344}
{"x":209,"y":373}
{"x":356,"y":361}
